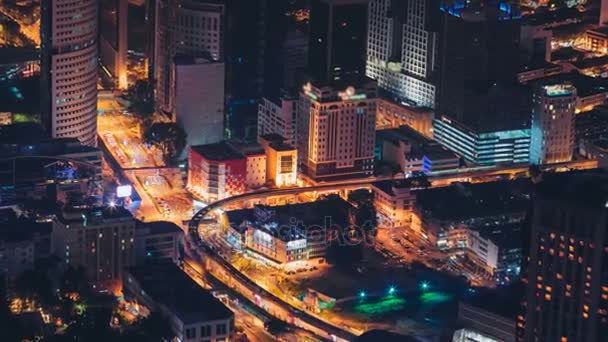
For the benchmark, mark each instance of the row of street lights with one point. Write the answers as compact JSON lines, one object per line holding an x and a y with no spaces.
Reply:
{"x":424,"y":286}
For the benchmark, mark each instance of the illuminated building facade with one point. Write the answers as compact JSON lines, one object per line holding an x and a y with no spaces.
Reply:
{"x":102,"y":240}
{"x":216,"y":171}
{"x":483,"y":148}
{"x":281,"y":161}
{"x":113,"y":39}
{"x":393,"y":115}
{"x":566,"y":270}
{"x":287,"y":233}
{"x":402,"y":49}
{"x":336,"y":131}
{"x":69,"y":68}
{"x":220,"y":170}
{"x":394,"y":202}
{"x":278,"y":117}
{"x":413,"y":153}
{"x":553,"y":124}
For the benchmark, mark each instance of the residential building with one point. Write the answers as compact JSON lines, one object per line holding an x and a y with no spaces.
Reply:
{"x":101,"y":240}
{"x":69,"y":69}
{"x":157,"y":240}
{"x":592,"y":135}
{"x":113,"y":41}
{"x":413,"y":153}
{"x":194,"y":314}
{"x":393,"y":115}
{"x":198,"y":87}
{"x":552,"y":130}
{"x":281,"y":161}
{"x":336,"y":131}
{"x":402,"y":49}
{"x":565,"y":270}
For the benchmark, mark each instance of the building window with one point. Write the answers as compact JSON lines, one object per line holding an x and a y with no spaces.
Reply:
{"x":205,"y":331}
{"x":190,"y":333}
{"x":220,"y":329}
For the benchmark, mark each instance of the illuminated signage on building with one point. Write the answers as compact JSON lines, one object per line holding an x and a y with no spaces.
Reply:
{"x":349,"y":94}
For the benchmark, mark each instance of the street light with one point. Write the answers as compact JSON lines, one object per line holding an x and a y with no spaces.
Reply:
{"x":391,"y":290}
{"x":362,"y":294}
{"x":425,"y":285}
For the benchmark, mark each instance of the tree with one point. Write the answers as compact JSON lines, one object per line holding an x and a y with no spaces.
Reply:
{"x":168,"y":137}
{"x":140,"y":95}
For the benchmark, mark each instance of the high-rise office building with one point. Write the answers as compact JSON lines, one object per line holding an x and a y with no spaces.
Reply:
{"x":402,"y":51}
{"x":336,"y":131}
{"x":566,"y":273}
{"x":199,"y":99}
{"x":69,"y":68}
{"x":552,"y":130}
{"x":476,"y":53}
{"x":338,"y":40}
{"x":186,"y":28}
{"x":113,"y":39}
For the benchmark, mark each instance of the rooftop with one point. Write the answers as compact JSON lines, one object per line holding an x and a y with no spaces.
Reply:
{"x":221,"y":151}
{"x":469,"y":200}
{"x":585,"y":85}
{"x":159,"y":227}
{"x":578,"y":187}
{"x":94,"y":216}
{"x":184,"y":297}
{"x":279,"y":220}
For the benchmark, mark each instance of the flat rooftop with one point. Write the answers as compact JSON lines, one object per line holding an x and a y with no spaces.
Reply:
{"x":159,"y":227}
{"x":588,"y":187}
{"x":169,"y":286}
{"x":469,"y":200}
{"x":221,"y":151}
{"x":281,"y":218}
{"x":585,"y":85}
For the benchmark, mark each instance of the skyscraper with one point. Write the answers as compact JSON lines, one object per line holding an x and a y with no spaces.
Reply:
{"x":566,"y":272}
{"x":186,"y":28}
{"x":113,"y":16}
{"x":402,"y":51}
{"x":69,"y":69}
{"x":338,"y":40}
{"x":552,"y":133}
{"x":337,"y":108}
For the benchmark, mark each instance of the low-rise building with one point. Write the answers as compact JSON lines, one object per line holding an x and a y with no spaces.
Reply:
{"x":216,"y":171}
{"x":393,"y":115}
{"x":281,"y":160}
{"x":157,"y":240}
{"x":193,"y":313}
{"x":412,"y":152}
{"x":101,"y":240}
{"x":481,"y":222}
{"x":287,"y":233}
{"x":394,"y":202}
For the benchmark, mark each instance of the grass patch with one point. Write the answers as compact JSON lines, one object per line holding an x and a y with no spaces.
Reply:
{"x":383,"y":306}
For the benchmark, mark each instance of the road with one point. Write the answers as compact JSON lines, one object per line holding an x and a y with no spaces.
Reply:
{"x":162,"y":190}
